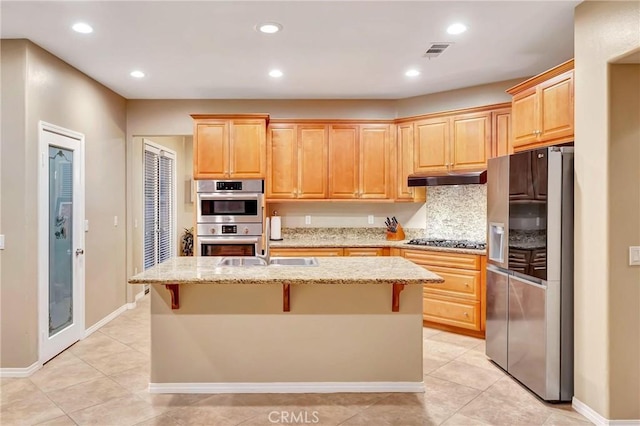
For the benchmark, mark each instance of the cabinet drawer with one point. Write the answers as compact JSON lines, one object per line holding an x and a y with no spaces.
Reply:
{"x":366,"y":251}
{"x":444,"y":259}
{"x":458,"y":313}
{"x":293,"y":252}
{"x":457,"y":283}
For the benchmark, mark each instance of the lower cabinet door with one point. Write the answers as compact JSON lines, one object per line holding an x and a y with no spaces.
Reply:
{"x":366,"y":251}
{"x":451,"y":311}
{"x":303,"y":252}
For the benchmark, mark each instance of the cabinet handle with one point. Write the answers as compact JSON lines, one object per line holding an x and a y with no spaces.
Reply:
{"x":466,"y":315}
{"x":466,"y":284}
{"x":355,"y":194}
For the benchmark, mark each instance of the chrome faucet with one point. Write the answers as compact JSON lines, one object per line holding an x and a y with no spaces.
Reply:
{"x":266,"y":256}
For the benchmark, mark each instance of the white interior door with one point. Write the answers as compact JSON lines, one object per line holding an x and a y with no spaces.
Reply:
{"x":61,"y":239}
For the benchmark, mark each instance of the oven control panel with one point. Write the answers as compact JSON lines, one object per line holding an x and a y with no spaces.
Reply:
{"x":220,"y":230}
{"x":229,"y":229}
{"x":228,"y":186}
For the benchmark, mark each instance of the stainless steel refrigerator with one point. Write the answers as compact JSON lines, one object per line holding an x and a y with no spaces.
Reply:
{"x":529,"y":328}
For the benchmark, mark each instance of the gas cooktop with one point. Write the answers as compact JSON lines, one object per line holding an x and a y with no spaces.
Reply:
{"x":466,"y":244}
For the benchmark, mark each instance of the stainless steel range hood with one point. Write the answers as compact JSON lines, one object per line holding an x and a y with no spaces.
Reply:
{"x":444,"y":178}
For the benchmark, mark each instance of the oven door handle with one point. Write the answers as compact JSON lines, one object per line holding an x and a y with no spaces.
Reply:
{"x":227,"y":240}
{"x":229,"y":197}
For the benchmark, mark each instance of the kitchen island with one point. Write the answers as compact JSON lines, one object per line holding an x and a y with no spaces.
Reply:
{"x":351,"y":324}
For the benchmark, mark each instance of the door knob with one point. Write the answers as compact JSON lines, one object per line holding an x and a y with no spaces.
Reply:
{"x":79,"y":252}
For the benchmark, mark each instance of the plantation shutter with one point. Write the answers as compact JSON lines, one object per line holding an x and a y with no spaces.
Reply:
{"x":159,"y":203}
{"x":165,"y":217}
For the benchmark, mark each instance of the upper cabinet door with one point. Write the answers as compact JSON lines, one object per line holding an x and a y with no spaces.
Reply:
{"x":312,"y":161}
{"x":282,"y":161}
{"x":375,"y":150}
{"x":248,"y":149}
{"x":556,"y":107}
{"x":343,"y":161}
{"x":405,"y":160}
{"x":471,"y":142}
{"x":542,"y":109}
{"x":500,"y":132}
{"x":431,"y":149}
{"x":211,"y":150}
{"x":525,"y":117}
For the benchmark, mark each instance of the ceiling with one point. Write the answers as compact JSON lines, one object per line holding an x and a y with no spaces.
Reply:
{"x":327,"y":49}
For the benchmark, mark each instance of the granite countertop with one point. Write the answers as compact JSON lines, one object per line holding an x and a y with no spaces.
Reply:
{"x":355,"y":237}
{"x":331,"y":270}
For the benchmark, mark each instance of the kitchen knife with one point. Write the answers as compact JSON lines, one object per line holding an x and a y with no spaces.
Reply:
{"x":394,"y":220}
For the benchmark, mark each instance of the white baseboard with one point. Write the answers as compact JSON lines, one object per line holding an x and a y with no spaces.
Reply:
{"x":596,"y":418}
{"x":20,"y":372}
{"x":113,"y":315}
{"x":287,"y":387}
{"x":133,"y":304}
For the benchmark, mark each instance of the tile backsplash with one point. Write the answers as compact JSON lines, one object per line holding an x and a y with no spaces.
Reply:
{"x":457,"y":212}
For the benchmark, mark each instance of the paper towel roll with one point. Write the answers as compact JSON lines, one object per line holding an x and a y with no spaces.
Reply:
{"x":276,"y":231}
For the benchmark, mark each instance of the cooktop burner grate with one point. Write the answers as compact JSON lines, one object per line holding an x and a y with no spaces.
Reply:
{"x":474,"y":245}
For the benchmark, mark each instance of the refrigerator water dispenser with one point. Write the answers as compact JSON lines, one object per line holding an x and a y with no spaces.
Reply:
{"x":496,"y":240}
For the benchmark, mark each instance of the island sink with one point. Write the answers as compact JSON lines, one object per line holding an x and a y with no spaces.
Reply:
{"x":275,"y":261}
{"x":294,"y":261}
{"x":242,"y":261}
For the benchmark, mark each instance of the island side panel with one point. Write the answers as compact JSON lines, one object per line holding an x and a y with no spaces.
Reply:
{"x":239,"y":334}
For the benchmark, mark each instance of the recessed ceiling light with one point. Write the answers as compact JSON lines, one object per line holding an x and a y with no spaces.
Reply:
{"x":269,"y":27}
{"x":83,"y":28}
{"x":137,"y":74}
{"x":457,"y":28}
{"x":275,"y":73}
{"x":412,"y":73}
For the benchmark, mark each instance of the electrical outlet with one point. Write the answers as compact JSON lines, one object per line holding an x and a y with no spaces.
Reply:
{"x":307,"y":220}
{"x":86,"y":225}
{"x":1,"y":242}
{"x":370,"y":219}
{"x":115,"y":221}
{"x":135,"y":223}
{"x":634,"y":256}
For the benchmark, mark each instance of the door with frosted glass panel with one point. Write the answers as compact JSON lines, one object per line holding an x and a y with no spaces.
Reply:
{"x":61,"y":257}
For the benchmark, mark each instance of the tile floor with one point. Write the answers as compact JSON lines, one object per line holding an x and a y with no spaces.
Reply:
{"x":102,"y":380}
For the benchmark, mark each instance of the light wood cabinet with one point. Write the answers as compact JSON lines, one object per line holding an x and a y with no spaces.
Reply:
{"x":366,"y":251}
{"x":459,"y":302}
{"x":431,"y":145}
{"x":459,"y":141}
{"x":470,"y":141}
{"x":542,"y":109}
{"x":501,"y":132}
{"x":296,"y":161}
{"x":330,"y":251}
{"x":303,"y":252}
{"x":404,"y":165}
{"x":229,"y":146}
{"x":359,"y":161}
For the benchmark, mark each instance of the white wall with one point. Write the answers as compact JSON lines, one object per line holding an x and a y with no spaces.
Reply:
{"x":38,"y":86}
{"x":607,"y":305}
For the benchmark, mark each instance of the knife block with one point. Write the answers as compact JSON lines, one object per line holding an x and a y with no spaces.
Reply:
{"x":396,"y":236}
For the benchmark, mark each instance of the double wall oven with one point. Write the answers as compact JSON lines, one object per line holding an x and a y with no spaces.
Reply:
{"x":230,"y":217}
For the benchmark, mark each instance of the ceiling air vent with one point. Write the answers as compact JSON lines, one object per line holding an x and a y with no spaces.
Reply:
{"x":436,"y":49}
